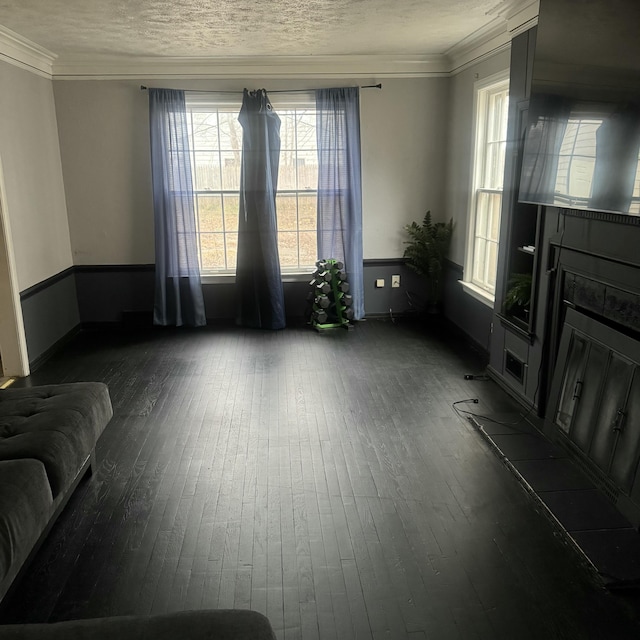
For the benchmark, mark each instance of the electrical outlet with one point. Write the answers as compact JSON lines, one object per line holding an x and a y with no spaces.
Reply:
{"x":379,"y":283}
{"x":395,"y":282}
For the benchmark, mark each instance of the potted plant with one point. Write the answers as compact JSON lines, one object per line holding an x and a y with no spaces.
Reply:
{"x":518,"y":296}
{"x":426,"y":251}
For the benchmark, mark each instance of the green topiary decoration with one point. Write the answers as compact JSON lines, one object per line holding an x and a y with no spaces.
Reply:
{"x":426,"y":250}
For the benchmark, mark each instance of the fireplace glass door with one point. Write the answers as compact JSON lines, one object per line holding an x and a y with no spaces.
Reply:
{"x":596,"y":398}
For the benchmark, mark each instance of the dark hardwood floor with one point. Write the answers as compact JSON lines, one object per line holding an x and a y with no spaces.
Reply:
{"x":322,"y":479}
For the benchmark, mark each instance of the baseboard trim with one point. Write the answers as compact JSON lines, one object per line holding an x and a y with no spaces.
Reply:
{"x":55,"y":348}
{"x":514,"y":393}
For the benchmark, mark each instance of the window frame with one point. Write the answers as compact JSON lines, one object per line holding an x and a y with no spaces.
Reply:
{"x":484,"y":91}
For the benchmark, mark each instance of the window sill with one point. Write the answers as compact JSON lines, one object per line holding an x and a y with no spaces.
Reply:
{"x":479,"y":294}
{"x":230,"y":278}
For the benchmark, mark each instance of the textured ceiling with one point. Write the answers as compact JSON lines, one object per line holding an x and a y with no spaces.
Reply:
{"x":245,"y":27}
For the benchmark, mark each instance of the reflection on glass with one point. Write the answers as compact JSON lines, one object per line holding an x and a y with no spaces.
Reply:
{"x":571,"y":386}
{"x":589,"y":392}
{"x":582,"y":155}
{"x":625,"y":459}
{"x":613,"y":399}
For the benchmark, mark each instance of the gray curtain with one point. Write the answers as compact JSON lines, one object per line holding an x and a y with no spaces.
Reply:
{"x":178,"y":292}
{"x":258,"y":278}
{"x":550,"y":113}
{"x":340,"y":185}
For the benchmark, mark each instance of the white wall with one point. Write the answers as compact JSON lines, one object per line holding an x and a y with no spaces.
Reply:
{"x":104,"y":143}
{"x":460,"y":159}
{"x":34,"y":197}
{"x":103,"y":128}
{"x":404,"y":151}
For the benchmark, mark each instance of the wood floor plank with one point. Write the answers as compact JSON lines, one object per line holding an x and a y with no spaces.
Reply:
{"x":324,"y":480}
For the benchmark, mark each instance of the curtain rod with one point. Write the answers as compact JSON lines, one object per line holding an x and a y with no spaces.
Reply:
{"x":366,"y":86}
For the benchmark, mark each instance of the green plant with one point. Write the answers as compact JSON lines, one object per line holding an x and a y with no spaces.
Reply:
{"x":518,"y":296}
{"x":426,"y":251}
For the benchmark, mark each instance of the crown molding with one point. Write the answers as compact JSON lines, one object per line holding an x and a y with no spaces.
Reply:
{"x":511,"y":17}
{"x":330,"y":66}
{"x":484,"y":43}
{"x":25,"y":54}
{"x":522,"y":17}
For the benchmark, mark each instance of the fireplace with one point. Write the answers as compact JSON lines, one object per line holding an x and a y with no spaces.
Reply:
{"x":593,"y":407}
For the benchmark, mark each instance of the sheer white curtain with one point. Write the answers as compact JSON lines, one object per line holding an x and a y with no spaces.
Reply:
{"x":340,"y":184}
{"x":178,"y":294}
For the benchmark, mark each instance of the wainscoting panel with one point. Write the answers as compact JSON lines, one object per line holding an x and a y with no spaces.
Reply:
{"x":409,"y":298}
{"x":50,"y":314}
{"x":471,"y":316}
{"x":115,"y":293}
{"x":91,"y":295}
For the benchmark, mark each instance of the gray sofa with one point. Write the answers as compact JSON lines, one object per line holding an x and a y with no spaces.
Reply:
{"x":218,"y":624}
{"x":47,"y":443}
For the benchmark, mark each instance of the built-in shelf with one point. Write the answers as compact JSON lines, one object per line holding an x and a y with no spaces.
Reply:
{"x":529,"y":250}
{"x":516,"y":325}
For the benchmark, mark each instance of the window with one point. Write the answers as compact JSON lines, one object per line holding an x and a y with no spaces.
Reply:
{"x":216,"y":149}
{"x":492,"y":101}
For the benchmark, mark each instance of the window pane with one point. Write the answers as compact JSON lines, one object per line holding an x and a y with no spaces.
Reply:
{"x":481,"y":215}
{"x":306,"y":138}
{"x":232,"y":250}
{"x":230,"y":131}
{"x":209,"y":213}
{"x":287,"y":170}
{"x":307,"y":166}
{"x":231,"y":163}
{"x":212,"y":251}
{"x":307,"y":212}
{"x":479,"y":261}
{"x":207,"y":170}
{"x":287,"y":212}
{"x":308,"y":248}
{"x":287,"y":131}
{"x":494,"y":175}
{"x":231,"y":211}
{"x":491,"y":265}
{"x":493,"y":227}
{"x":288,"y":248}
{"x":205,"y":131}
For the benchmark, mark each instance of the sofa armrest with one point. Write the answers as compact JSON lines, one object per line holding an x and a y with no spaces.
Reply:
{"x":209,"y":624}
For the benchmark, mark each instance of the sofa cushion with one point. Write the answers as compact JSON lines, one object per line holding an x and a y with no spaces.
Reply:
{"x":26,"y":504}
{"x":209,"y":624}
{"x":56,"y":424}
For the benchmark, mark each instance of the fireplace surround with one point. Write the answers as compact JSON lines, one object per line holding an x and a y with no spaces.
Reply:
{"x":593,"y":356}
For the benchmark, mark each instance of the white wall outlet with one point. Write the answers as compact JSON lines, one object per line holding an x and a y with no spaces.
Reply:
{"x":395,"y":282}
{"x":379,"y":283}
